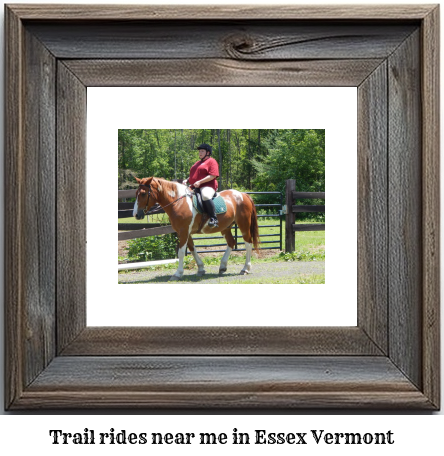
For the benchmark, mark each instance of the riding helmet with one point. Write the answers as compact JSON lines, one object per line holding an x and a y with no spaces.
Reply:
{"x":207,"y":147}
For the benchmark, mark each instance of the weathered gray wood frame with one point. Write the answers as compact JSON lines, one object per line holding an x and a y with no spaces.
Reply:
{"x":390,"y":360}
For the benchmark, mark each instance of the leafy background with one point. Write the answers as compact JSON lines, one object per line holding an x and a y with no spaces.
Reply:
{"x":255,"y":160}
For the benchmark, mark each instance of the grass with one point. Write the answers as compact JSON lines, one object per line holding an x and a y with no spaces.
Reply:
{"x":304,"y":279}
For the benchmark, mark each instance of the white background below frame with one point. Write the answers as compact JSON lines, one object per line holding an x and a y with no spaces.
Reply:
{"x":332,"y":304}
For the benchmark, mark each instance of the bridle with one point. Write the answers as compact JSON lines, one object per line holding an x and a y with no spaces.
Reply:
{"x":154,"y":209}
{"x":148,"y":187}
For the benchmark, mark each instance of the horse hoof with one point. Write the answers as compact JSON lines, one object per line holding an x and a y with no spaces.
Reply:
{"x":200,"y":273}
{"x":174,"y":278}
{"x":222,"y":270}
{"x":243,"y":272}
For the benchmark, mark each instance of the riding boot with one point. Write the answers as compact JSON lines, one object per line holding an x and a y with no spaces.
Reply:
{"x":211,"y":211}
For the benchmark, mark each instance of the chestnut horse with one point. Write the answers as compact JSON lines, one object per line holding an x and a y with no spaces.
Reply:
{"x":176,"y":200}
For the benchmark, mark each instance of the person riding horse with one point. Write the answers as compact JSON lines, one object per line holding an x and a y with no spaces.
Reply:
{"x":203,"y":178}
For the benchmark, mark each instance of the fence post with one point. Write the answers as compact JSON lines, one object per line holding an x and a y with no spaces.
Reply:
{"x":289,"y":216}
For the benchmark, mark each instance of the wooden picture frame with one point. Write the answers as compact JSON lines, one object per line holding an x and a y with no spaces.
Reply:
{"x":390,"y":360}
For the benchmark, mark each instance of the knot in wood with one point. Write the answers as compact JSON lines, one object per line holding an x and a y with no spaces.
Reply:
{"x":239,"y":46}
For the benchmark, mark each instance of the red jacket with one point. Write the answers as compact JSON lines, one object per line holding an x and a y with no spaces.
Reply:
{"x":203,"y":169}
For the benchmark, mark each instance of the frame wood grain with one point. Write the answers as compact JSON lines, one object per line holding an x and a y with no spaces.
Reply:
{"x":390,"y":360}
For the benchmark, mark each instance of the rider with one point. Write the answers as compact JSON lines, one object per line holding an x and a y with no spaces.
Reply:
{"x":203,"y":176}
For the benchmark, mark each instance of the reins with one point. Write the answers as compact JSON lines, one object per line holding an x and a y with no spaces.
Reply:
{"x":154,"y":209}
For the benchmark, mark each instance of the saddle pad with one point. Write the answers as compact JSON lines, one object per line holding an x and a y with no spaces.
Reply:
{"x":219,"y":205}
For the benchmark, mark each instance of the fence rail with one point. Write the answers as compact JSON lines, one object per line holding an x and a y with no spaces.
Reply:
{"x":127,"y":193}
{"x":135,"y":234}
{"x":308,"y":195}
{"x":309,"y":227}
{"x":301,"y":208}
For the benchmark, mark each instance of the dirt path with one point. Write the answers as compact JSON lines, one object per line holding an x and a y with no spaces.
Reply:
{"x":281,"y":272}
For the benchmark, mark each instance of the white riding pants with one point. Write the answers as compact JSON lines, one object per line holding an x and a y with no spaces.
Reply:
{"x":207,"y":193}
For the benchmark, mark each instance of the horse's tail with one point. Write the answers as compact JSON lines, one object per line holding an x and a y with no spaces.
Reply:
{"x":254,"y":228}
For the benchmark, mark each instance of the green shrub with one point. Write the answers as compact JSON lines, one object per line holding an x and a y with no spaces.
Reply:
{"x":302,"y":256}
{"x":161,"y":247}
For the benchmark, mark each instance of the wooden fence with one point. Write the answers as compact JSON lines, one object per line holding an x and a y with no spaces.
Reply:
{"x":291,"y":195}
{"x":138,"y":230}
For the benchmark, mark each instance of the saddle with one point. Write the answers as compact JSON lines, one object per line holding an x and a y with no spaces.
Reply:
{"x":219,"y":204}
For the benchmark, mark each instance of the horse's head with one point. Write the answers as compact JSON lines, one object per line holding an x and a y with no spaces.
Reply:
{"x":144,"y":197}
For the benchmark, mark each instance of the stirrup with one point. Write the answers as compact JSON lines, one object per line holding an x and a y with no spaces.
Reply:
{"x":213,"y":222}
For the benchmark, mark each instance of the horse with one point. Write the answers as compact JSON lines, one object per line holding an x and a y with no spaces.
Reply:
{"x":176,"y":200}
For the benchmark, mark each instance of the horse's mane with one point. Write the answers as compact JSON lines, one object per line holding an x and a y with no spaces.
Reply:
{"x":168,"y":185}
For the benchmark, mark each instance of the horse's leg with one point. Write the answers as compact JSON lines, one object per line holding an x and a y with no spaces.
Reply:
{"x":183,"y":236}
{"x":230,"y":245}
{"x":199,"y":262}
{"x":244,"y":226}
{"x":247,"y":267}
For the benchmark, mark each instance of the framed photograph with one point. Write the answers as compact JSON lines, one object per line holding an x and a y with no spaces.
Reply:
{"x":151,"y":152}
{"x":389,"y":359}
